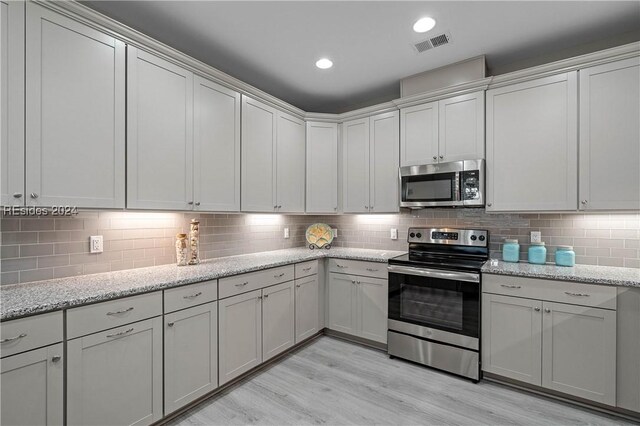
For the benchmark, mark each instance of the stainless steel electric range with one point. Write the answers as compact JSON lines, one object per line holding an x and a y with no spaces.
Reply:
{"x":434,"y":299}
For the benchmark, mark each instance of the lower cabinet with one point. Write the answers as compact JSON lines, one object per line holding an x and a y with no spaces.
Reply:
{"x":563,"y":347}
{"x":190,"y":355}
{"x":31,"y":387}
{"x":114,"y":376}
{"x":307,"y":310}
{"x":278,"y":317}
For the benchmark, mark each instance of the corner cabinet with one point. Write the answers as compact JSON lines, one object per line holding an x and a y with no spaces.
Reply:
{"x":610,"y":136}
{"x":532,"y":145}
{"x":273,"y":158}
{"x":322,"y":167}
{"x":370,"y":162}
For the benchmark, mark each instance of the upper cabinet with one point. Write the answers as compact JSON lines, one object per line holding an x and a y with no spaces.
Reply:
{"x":370,"y":161}
{"x":75,"y":113}
{"x":447,"y":130}
{"x":322,"y":167}
{"x":273,"y":158}
{"x":610,"y":136}
{"x":183,"y":148}
{"x":532,"y":145}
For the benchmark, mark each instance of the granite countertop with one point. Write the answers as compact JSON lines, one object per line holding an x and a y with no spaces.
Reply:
{"x":18,"y":300}
{"x":607,"y":275}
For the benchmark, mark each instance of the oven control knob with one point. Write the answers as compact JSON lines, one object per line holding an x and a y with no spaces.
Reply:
{"x":473,"y":238}
{"x":481,"y":237}
{"x":419,"y":235}
{"x":412,"y":235}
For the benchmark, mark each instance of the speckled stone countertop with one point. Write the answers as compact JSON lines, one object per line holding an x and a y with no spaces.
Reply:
{"x":607,"y":275}
{"x":18,"y":300}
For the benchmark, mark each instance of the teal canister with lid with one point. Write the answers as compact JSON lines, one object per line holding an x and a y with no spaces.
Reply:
{"x":565,"y":256}
{"x":537,"y":253}
{"x":511,"y":251}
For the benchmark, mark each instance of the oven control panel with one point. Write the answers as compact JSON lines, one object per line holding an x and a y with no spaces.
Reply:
{"x":461,"y":237}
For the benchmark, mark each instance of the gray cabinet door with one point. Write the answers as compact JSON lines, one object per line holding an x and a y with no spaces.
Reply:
{"x":31,"y":387}
{"x":290,"y":164}
{"x":355,"y":176}
{"x":159,"y":133}
{"x":579,"y":351}
{"x":610,"y":136}
{"x":628,"y":349}
{"x":190,"y":355}
{"x":342,"y":303}
{"x":384,"y":163}
{"x":461,"y":127}
{"x":419,"y":134}
{"x":278,"y":319}
{"x":114,"y":377}
{"x":512,"y":337}
{"x":216,"y":147}
{"x":12,"y":103}
{"x":532,"y":151}
{"x":239,"y":334}
{"x":258,"y":191}
{"x":75,"y":110}
{"x":373,"y":297}
{"x":322,"y":167}
{"x":307,"y":307}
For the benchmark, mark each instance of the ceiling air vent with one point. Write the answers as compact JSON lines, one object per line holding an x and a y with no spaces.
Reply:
{"x":433,"y":42}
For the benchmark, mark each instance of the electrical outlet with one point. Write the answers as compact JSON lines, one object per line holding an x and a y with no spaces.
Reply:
{"x":394,"y":233}
{"x":286,"y":232}
{"x":96,"y":244}
{"x":536,"y":237}
{"x":335,"y":232}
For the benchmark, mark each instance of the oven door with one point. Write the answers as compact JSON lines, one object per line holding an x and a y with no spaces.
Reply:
{"x":431,"y":185}
{"x":435,"y":304}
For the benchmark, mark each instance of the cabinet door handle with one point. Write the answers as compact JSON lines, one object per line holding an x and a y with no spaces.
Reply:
{"x":357,"y":282}
{"x":297,"y":285}
{"x":266,"y":295}
{"x":275,"y":207}
{"x":584,"y":202}
{"x":171,"y":324}
{"x":56,"y":358}
{"x":190,"y":203}
{"x":242,"y":284}
{"x":441,"y":157}
{"x":17,"y":195}
{"x":547,"y":310}
{"x":576,"y":294}
{"x":510,"y":286}
{"x":372,"y":270}
{"x":341,"y":266}
{"x":197,"y":203}
{"x":366,"y":207}
{"x":536,"y":309}
{"x":279,"y":275}
{"x":489,"y":204}
{"x":11,"y":339}
{"x":435,"y":157}
{"x":353,"y":281}
{"x":120,"y":312}
{"x":259,"y":298}
{"x":306,"y":269}
{"x":122,"y":333}
{"x":335,"y":209}
{"x":34,"y":195}
{"x":193,"y":296}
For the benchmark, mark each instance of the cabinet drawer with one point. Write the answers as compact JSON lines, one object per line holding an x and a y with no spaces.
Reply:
{"x":32,"y":332}
{"x":307,"y":268}
{"x":553,"y":291}
{"x":190,"y":295}
{"x":358,"y":267}
{"x":254,"y":280}
{"x":114,"y":313}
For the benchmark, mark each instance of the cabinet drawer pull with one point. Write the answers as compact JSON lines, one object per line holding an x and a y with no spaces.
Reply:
{"x":297,"y":285}
{"x":536,"y":309}
{"x":266,"y":295}
{"x":372,"y":270}
{"x":122,"y":333}
{"x":279,"y":275}
{"x":56,"y":358}
{"x":242,"y":284}
{"x":120,"y":312}
{"x":510,"y":286}
{"x":193,"y":296}
{"x":11,"y":339}
{"x":306,"y":269}
{"x":577,"y":294}
{"x":547,"y":310}
{"x":341,"y":266}
{"x":171,"y":324}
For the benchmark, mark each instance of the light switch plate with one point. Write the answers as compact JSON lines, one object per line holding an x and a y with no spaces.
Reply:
{"x":536,"y":236}
{"x":335,"y":232}
{"x":96,"y":244}
{"x":394,"y":233}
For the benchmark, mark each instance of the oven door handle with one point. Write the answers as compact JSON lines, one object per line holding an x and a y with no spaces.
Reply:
{"x":435,"y":273}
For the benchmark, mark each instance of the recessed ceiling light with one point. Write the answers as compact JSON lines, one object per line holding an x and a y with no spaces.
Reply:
{"x":423,"y":25}
{"x":324,"y":63}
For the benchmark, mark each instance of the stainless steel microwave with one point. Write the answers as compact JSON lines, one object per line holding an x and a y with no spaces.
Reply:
{"x":453,"y":184}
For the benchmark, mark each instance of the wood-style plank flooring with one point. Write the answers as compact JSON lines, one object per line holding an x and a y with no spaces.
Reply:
{"x":334,"y":382}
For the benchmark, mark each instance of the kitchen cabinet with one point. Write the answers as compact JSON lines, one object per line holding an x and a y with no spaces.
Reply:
{"x":307,"y":307}
{"x":31,"y":387}
{"x":532,"y":151}
{"x":11,"y":103}
{"x":322,"y":167}
{"x":610,"y":136}
{"x":115,"y":376}
{"x":190,"y":355}
{"x":371,"y":156}
{"x":451,"y":129}
{"x":75,"y":149}
{"x":342,"y":304}
{"x":240,"y":334}
{"x":278,"y":319}
{"x":628,"y":349}
{"x":273,"y":157}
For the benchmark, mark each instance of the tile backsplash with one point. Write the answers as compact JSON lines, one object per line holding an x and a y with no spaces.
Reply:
{"x":35,"y":249}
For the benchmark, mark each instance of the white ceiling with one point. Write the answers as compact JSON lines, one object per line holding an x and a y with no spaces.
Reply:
{"x":274,"y":45}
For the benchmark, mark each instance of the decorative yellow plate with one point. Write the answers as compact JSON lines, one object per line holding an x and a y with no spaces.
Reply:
{"x":319,"y":235}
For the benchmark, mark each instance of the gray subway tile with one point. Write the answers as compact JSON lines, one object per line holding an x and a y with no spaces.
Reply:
{"x":33,"y":250}
{"x":51,"y":261}
{"x":8,"y":252}
{"x":36,"y":224}
{"x":7,"y":278}
{"x":21,"y":264}
{"x":36,"y":275}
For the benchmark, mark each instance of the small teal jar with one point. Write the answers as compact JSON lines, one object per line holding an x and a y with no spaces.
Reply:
{"x":511,"y":251}
{"x":565,"y":256}
{"x":537,"y":253}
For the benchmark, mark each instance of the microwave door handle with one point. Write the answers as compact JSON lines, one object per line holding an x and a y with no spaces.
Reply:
{"x":434,"y":273}
{"x":456,"y":185}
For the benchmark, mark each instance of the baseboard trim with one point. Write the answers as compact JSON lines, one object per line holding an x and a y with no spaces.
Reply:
{"x":354,"y":339}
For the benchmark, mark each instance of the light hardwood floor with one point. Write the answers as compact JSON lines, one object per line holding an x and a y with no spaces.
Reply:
{"x":338,"y":383}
